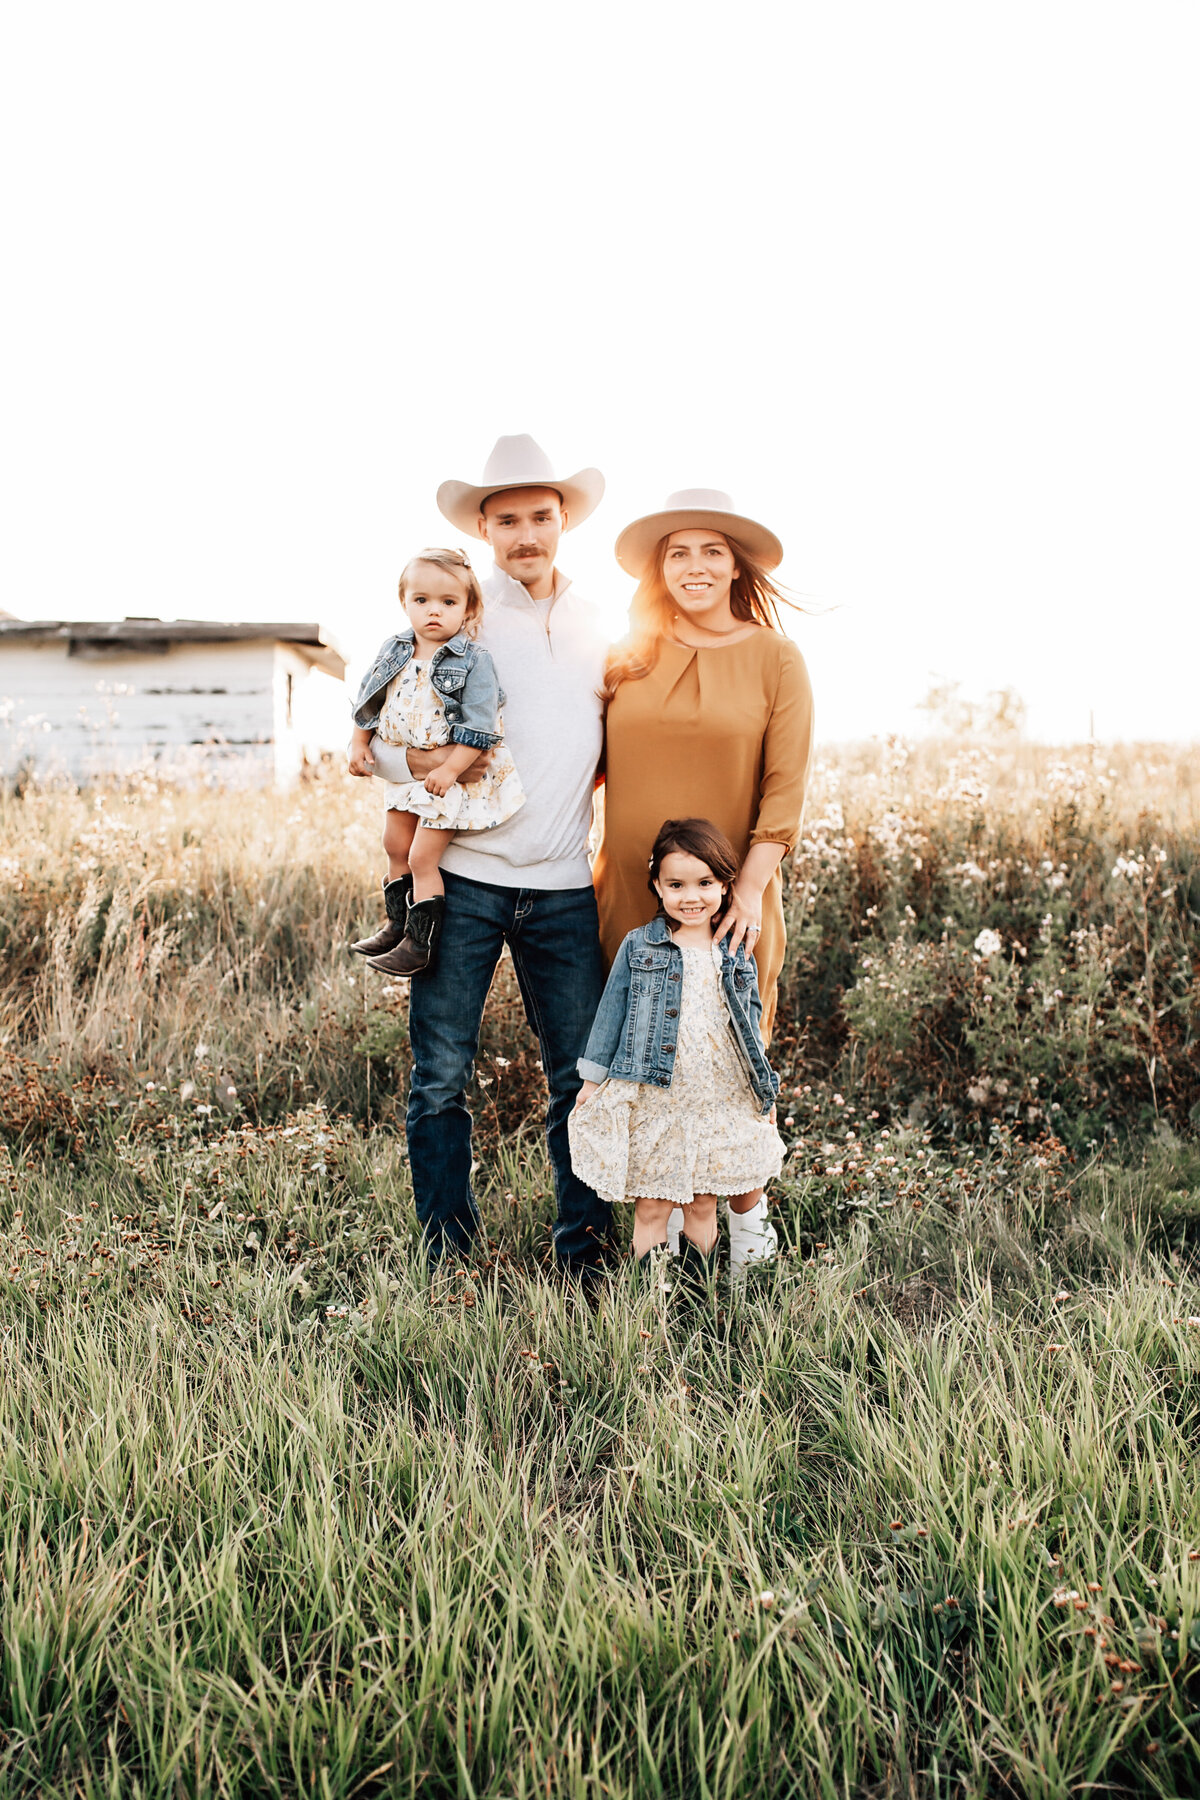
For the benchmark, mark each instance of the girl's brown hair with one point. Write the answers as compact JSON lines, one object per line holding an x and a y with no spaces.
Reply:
{"x":753,"y":596}
{"x":707,"y":843}
{"x":453,"y":562}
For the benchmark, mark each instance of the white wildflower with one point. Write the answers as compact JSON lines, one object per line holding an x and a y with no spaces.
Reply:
{"x":988,"y":943}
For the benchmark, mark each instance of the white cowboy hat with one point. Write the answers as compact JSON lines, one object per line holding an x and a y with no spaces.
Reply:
{"x":518,"y":462}
{"x":695,"y":507}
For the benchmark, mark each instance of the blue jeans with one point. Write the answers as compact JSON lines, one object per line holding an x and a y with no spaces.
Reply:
{"x":555,"y":944}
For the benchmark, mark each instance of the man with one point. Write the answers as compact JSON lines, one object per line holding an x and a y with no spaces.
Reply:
{"x":526,"y":883}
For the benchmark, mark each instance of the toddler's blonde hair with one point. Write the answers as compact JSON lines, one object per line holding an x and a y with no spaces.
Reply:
{"x":454,"y":562}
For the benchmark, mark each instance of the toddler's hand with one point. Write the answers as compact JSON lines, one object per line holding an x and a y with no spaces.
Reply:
{"x":436,"y":782}
{"x":361,"y":761}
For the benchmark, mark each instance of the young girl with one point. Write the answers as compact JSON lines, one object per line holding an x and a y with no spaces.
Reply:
{"x":430,"y":686}
{"x":677,"y":1102}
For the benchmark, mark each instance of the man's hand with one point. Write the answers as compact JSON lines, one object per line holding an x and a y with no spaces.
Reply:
{"x":358,"y":751}
{"x":585,"y":1093}
{"x":422,"y":762}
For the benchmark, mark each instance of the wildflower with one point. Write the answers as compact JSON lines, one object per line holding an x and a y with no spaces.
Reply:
{"x":767,"y":1599}
{"x":202,"y":1052}
{"x":988,"y":943}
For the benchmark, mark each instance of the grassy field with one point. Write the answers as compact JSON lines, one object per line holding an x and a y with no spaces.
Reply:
{"x":913,"y":1515}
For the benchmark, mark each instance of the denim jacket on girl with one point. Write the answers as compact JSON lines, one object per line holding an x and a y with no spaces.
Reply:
{"x":464,"y":679}
{"x":633,"y":1034}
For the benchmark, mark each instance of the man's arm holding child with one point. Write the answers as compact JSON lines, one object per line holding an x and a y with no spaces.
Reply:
{"x":420,"y":762}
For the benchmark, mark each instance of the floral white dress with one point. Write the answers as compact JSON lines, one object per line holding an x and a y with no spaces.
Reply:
{"x":414,"y":715}
{"x":702,"y":1135}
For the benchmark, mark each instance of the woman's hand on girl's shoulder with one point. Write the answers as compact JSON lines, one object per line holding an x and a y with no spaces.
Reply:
{"x":742,"y":923}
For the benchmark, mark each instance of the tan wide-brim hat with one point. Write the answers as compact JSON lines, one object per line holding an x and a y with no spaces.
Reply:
{"x":706,"y":508}
{"x":519,"y":462}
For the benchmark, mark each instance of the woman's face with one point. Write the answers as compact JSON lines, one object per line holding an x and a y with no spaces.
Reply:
{"x":699,"y":570}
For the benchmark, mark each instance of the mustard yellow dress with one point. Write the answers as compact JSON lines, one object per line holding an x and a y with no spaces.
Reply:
{"x":722,"y":734}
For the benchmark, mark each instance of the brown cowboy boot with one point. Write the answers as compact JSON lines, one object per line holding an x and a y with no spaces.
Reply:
{"x":416,"y":955}
{"x":396,"y":897}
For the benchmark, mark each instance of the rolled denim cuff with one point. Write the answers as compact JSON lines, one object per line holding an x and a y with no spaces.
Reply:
{"x":591,"y":1071}
{"x":477,"y":740}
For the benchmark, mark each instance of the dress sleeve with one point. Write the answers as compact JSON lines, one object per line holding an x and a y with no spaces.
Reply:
{"x":787,"y":747}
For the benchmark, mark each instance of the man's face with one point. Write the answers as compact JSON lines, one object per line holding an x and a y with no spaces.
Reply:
{"x":523,"y":527}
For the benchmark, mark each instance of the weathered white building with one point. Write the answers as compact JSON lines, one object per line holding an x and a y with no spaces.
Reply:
{"x":240,"y":701}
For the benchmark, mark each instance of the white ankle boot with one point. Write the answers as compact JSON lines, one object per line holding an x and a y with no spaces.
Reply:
{"x":675,"y":1230}
{"x":752,"y":1239}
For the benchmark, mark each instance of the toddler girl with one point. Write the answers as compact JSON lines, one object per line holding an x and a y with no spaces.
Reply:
{"x":677,"y":1102}
{"x":431,"y":685}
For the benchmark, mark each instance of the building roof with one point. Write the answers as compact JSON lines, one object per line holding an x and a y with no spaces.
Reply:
{"x":154,"y":635}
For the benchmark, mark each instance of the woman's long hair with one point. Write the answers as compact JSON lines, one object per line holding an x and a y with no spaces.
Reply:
{"x":753,"y":596}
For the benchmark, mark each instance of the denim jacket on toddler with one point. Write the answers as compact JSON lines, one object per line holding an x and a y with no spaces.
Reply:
{"x":464,"y":679}
{"x":633,"y":1034}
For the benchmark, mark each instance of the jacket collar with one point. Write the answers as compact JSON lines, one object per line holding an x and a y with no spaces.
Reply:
{"x":659,"y":932}
{"x":454,"y":646}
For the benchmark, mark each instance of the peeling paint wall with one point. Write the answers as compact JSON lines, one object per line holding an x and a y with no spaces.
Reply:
{"x":229,"y":708}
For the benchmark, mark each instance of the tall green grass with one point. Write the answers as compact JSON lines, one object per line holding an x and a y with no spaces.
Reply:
{"x":914,"y":1514}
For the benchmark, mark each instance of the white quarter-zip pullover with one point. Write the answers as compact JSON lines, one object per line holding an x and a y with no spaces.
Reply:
{"x":551,"y":663}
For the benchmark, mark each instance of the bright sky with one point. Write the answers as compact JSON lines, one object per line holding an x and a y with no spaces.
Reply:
{"x":918,"y":284}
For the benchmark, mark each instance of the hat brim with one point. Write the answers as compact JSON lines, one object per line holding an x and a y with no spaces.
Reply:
{"x":461,"y":503}
{"x":636,"y":544}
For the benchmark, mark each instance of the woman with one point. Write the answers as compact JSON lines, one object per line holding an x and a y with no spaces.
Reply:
{"x":709,"y":716}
